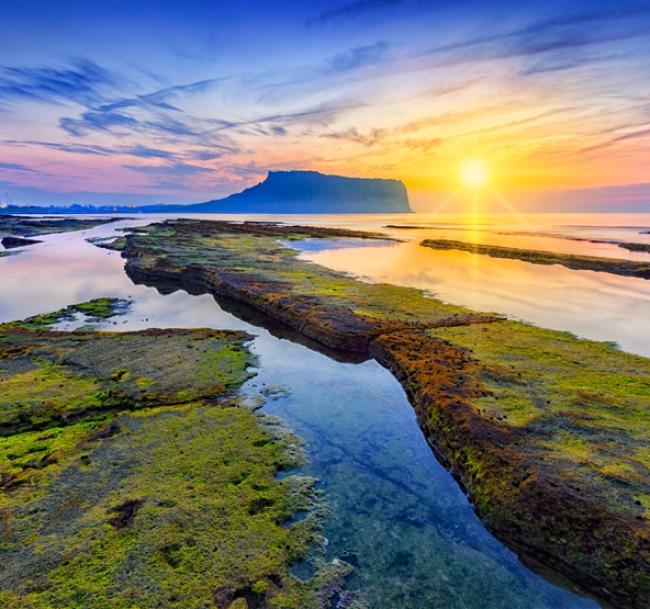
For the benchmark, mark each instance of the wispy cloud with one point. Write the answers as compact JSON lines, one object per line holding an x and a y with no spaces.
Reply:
{"x":352,"y":135}
{"x":557,"y":35}
{"x":349,"y":10}
{"x":97,"y":121}
{"x":562,"y":64}
{"x":358,"y":57}
{"x":169,"y":169}
{"x":635,"y":135}
{"x":16,"y":167}
{"x":161,"y":98}
{"x":82,"y":82}
{"x":137,"y":151}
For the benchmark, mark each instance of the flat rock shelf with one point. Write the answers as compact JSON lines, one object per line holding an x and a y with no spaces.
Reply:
{"x":547,"y":433}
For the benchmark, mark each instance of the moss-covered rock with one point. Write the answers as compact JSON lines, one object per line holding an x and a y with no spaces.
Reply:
{"x":95,"y":310}
{"x":131,"y":477}
{"x":548,"y":433}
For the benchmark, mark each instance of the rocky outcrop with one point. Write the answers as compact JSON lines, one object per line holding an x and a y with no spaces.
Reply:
{"x":617,"y":266}
{"x":11,"y":242}
{"x":511,"y":410}
{"x":131,"y":468}
{"x":521,"y":498}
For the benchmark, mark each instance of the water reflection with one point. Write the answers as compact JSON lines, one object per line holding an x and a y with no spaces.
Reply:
{"x":599,"y":306}
{"x":545,"y":241}
{"x":396,"y":512}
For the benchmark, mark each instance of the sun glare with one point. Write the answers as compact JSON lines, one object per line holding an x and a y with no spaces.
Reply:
{"x":474,"y":173}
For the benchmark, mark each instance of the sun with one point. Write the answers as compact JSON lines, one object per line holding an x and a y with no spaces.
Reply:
{"x":474,"y":173}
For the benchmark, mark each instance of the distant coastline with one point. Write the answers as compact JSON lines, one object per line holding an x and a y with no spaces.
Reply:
{"x":284,"y":192}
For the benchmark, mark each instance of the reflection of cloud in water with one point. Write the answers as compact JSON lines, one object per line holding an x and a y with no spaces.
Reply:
{"x":599,"y":306}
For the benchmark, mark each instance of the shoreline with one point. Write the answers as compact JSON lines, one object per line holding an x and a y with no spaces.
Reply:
{"x":528,"y":502}
{"x":117,"y":448}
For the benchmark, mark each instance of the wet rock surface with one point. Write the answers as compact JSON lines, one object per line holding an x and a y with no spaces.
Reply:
{"x":13,"y":242}
{"x":131,"y":475}
{"x":30,"y":226}
{"x":547,"y":433}
{"x":628,"y":268}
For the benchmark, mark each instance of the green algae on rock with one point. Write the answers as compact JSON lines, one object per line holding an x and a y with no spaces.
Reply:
{"x":95,"y":310}
{"x":617,"y":266}
{"x":30,"y":226}
{"x":244,"y":262}
{"x":550,"y":444}
{"x":131,"y":475}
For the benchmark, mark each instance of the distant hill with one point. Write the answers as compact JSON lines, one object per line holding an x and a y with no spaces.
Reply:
{"x":294,"y":192}
{"x":282,"y":192}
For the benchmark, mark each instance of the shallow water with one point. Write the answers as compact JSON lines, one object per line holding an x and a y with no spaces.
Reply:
{"x":395,"y":512}
{"x":598,"y":306}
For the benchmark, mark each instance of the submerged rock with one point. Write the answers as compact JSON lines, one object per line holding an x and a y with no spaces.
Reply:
{"x":276,"y":392}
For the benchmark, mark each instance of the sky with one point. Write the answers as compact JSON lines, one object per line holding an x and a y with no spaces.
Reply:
{"x":143,"y":102}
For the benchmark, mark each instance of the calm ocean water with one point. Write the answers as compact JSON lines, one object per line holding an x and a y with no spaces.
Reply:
{"x":599,"y":306}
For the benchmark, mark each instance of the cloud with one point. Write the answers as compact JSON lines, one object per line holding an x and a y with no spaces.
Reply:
{"x":170,"y":169}
{"x":167,"y":185}
{"x":352,"y":135}
{"x":422,"y":144}
{"x":148,"y":153}
{"x":358,"y":57}
{"x":122,"y":123}
{"x":567,"y":32}
{"x":351,"y":10}
{"x":644,"y":133}
{"x":561,"y":64}
{"x":321,"y":114}
{"x":330,"y":68}
{"x":77,"y":148}
{"x":96,"y":121}
{"x":160,"y":99}
{"x":204,"y":155}
{"x":17,"y":167}
{"x":83,"y":82}
{"x":138,"y":150}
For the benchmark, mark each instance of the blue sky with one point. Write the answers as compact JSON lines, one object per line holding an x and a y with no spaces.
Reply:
{"x":127,"y":102}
